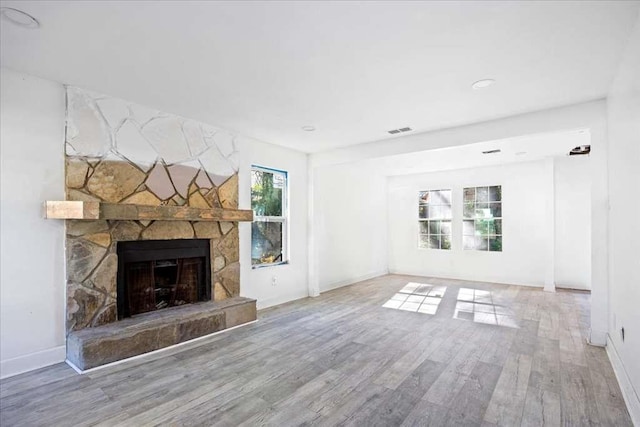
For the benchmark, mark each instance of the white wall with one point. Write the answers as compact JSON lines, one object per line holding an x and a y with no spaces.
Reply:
{"x":526,"y":244}
{"x":291,"y":278}
{"x":573,"y":222}
{"x":624,"y":223}
{"x":349,"y":224}
{"x":522,"y":260}
{"x":32,"y":259}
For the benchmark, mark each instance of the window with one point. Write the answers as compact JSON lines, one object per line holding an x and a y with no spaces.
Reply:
{"x":434,"y":217}
{"x":482,"y":222}
{"x":269,"y":228}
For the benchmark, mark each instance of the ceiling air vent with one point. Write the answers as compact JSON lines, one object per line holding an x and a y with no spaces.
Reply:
{"x":396,"y":131}
{"x":580,"y":150}
{"x":491,"y":151}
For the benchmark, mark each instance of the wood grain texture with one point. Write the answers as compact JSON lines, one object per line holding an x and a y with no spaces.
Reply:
{"x":65,"y":209}
{"x":344,"y":359}
{"x":128,"y":212}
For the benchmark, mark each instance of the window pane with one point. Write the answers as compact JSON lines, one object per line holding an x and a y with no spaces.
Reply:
{"x":423,"y":211}
{"x":445,"y":211}
{"x":435,"y":211}
{"x":498,"y":224}
{"x":266,"y":242}
{"x":482,"y":207}
{"x":469,"y":242}
{"x":423,"y":197}
{"x":266,"y":193}
{"x":445,"y":227}
{"x":423,"y":241}
{"x":482,"y":243}
{"x":468,"y":228}
{"x":441,"y":197}
{"x":446,"y":242}
{"x":495,"y":193}
{"x":484,"y":227}
{"x":469,"y":194}
{"x":434,"y":242}
{"x":424,"y":227}
{"x":496,"y":209}
{"x":482,"y":194}
{"x":434,"y":227}
{"x":495,"y":243}
{"x":469,"y":209}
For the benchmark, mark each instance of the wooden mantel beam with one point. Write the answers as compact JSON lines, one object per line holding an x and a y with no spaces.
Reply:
{"x":66,"y":209}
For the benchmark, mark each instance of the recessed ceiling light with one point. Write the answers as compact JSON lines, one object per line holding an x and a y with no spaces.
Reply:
{"x":308,"y":128}
{"x":496,"y":151}
{"x":521,"y":153}
{"x":19,"y":18}
{"x":481,"y":84}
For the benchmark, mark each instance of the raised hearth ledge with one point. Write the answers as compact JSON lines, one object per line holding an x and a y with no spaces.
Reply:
{"x":66,"y":209}
{"x":92,"y":347}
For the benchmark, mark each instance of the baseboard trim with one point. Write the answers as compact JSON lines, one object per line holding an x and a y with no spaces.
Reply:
{"x":628,"y":391}
{"x":466,"y":279}
{"x":155,"y":352}
{"x":352,"y":280}
{"x":266,"y":303}
{"x":32,"y":361}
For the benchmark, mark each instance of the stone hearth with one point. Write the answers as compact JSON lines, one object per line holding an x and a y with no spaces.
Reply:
{"x":92,"y":347}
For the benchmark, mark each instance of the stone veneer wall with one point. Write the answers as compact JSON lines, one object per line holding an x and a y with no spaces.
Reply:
{"x":119,"y":152}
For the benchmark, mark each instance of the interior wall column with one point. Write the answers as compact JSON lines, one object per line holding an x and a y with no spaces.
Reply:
{"x":599,"y":232}
{"x":312,"y":264}
{"x":550,"y":275}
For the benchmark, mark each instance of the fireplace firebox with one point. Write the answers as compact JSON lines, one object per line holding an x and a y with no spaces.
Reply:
{"x":157,"y":274}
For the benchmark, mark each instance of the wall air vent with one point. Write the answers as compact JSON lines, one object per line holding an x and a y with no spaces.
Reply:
{"x":491,"y":151}
{"x":401,"y":130}
{"x":580,"y":150}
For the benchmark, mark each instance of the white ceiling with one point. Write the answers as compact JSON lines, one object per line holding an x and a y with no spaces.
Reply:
{"x":512,"y":150}
{"x":351,"y":69}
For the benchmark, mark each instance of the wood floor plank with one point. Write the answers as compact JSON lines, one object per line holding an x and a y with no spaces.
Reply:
{"x":579,"y":406}
{"x":507,"y":402}
{"x":510,"y":355}
{"x":470,"y":404}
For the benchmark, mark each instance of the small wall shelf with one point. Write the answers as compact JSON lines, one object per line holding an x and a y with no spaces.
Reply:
{"x":66,"y":209}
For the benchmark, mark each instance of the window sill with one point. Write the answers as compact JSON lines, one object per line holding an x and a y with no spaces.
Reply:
{"x":275,"y":264}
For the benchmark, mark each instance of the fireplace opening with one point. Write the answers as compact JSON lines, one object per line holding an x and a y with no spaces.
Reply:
{"x":158,"y":274}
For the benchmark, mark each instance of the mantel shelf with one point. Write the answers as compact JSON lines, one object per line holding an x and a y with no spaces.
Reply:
{"x":66,"y":209}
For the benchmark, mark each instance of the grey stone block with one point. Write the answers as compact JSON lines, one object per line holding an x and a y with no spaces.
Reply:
{"x":92,"y":347}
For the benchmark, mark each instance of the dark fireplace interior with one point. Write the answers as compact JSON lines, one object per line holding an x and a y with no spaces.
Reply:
{"x":157,"y":274}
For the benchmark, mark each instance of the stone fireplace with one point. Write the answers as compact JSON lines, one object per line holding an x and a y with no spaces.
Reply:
{"x":167,"y":273}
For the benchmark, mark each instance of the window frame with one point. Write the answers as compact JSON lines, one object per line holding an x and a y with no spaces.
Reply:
{"x":439,"y":219}
{"x":284,"y":219}
{"x":475,"y":218}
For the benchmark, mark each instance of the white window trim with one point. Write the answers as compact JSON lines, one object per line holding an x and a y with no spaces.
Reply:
{"x":284,"y":219}
{"x":501,"y":218}
{"x":450,"y":219}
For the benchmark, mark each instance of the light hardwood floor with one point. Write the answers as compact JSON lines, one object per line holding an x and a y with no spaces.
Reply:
{"x":368,"y":354}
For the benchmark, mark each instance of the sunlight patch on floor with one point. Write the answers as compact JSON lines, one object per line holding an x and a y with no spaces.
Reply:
{"x":418,"y":298}
{"x":477,"y":306}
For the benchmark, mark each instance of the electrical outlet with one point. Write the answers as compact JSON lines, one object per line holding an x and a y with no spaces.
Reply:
{"x":274,"y":281}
